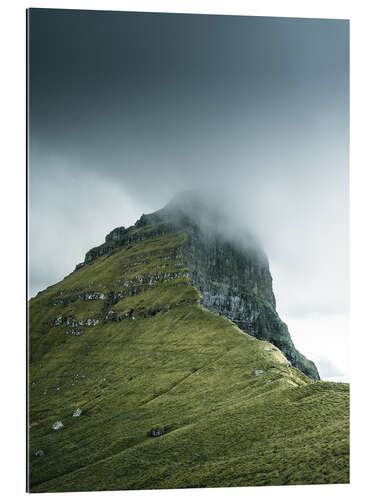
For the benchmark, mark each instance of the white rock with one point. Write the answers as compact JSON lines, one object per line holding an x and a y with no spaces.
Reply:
{"x":267,"y":348}
{"x":77,"y":412}
{"x":258,"y":372}
{"x":57,"y":425}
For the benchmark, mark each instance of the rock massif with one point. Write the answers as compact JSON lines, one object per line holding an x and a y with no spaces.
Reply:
{"x":226,"y":265}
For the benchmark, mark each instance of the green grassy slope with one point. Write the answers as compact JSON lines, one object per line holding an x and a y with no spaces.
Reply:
{"x":157,"y":359}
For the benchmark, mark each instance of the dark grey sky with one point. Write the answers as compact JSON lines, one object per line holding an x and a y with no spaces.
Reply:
{"x":126,"y":109}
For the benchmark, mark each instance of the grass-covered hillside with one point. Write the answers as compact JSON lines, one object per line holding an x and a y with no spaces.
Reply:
{"x":125,"y":340}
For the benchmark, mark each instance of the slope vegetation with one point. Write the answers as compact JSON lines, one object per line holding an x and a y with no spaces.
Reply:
{"x":125,"y":339}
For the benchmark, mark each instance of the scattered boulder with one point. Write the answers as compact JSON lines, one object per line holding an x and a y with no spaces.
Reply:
{"x":94,"y":296}
{"x":92,"y":322}
{"x":157,"y":431}
{"x":77,"y":412}
{"x":73,"y":331}
{"x":57,"y":425}
{"x":267,"y":348}
{"x":287,"y":363}
{"x":39,"y":453}
{"x":58,"y":321}
{"x":33,"y":424}
{"x":258,"y":372}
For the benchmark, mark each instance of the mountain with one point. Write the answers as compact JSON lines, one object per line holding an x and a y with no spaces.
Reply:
{"x":161,"y":362}
{"x":225,"y":264}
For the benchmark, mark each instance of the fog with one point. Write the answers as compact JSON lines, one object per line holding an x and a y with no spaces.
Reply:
{"x":126,"y":110}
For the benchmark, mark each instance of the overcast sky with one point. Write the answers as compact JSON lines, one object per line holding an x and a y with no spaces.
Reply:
{"x":128,"y":109}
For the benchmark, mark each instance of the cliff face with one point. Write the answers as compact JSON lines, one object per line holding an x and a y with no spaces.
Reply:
{"x":239,"y":286}
{"x":229,"y":269}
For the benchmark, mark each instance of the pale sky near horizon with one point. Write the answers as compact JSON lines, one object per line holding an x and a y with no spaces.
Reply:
{"x":127,"y":109}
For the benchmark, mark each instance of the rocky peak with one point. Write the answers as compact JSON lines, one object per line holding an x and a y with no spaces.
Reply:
{"x":224,"y":262}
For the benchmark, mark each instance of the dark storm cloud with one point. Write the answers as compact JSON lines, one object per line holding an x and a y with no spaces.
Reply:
{"x":172,"y":96}
{"x":127,"y":109}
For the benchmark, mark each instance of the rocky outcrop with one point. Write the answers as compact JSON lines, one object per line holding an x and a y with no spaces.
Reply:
{"x":157,"y":431}
{"x":74,"y":331}
{"x":82,"y":296}
{"x":117,"y":234}
{"x":121,"y":237}
{"x":70,"y":321}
